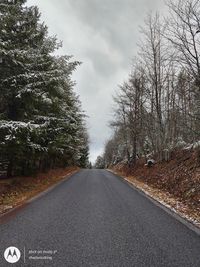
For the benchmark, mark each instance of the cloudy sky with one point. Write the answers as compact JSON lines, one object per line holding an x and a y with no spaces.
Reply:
{"x":103,"y":34}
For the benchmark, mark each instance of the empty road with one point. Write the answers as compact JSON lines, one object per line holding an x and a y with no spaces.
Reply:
{"x":96,"y":219}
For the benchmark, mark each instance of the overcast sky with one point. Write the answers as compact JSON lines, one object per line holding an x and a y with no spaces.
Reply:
{"x":103,"y":34}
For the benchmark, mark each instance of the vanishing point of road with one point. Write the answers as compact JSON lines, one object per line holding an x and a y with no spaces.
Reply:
{"x":94,"y":218}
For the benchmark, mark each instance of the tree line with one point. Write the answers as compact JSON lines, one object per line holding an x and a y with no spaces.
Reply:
{"x":42,"y":124}
{"x":158,"y":107}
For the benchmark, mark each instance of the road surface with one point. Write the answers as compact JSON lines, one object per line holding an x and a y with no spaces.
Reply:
{"x":96,"y":219}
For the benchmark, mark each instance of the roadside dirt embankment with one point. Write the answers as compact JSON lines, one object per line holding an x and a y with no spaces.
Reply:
{"x":175,"y":181}
{"x":17,"y":190}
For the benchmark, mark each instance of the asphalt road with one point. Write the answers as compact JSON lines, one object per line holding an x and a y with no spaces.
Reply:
{"x":96,"y":219}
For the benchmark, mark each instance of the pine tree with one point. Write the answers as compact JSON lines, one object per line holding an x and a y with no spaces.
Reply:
{"x":40,"y":115}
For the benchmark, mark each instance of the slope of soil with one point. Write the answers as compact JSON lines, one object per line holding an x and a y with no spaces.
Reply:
{"x":177,"y":182}
{"x":16,"y":191}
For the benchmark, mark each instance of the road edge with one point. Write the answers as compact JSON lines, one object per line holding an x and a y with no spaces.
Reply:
{"x":39,"y":195}
{"x":171,"y":212}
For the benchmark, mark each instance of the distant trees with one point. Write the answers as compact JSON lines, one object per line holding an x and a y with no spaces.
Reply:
{"x":100,"y":163}
{"x":158,"y":107}
{"x":41,"y":121}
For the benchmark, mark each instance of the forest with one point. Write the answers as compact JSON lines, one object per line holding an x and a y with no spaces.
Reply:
{"x":42,"y":124}
{"x":157,"y":109}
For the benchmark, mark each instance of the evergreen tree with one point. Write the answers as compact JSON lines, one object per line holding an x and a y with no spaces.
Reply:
{"x":40,"y":116}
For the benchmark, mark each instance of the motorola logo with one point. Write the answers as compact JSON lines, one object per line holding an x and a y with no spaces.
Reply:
{"x":12,"y":254}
